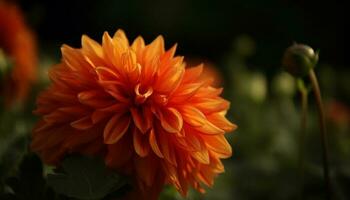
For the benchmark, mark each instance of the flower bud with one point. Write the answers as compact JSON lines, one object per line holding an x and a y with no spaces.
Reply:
{"x":299,"y":59}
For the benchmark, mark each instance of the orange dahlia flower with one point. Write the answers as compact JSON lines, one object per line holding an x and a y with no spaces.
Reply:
{"x":18,"y":43}
{"x":139,"y":107}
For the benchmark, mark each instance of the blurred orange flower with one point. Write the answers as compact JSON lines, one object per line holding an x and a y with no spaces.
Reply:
{"x":338,"y":112}
{"x":18,"y":43}
{"x":139,"y":107}
{"x":210,"y":71}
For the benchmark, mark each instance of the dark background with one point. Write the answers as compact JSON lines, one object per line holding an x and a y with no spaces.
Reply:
{"x":202,"y":28}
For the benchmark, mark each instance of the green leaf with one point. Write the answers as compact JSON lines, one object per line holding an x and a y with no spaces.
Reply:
{"x":85,"y":178}
{"x":29,"y":183}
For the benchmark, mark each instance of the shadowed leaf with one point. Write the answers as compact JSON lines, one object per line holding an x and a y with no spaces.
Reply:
{"x":85,"y":178}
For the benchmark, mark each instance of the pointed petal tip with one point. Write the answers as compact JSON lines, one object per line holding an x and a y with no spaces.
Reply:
{"x":234,"y":127}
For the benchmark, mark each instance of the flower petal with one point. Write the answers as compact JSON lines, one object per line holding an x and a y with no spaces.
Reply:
{"x":120,"y":34}
{"x":194,"y":142}
{"x":218,"y":144}
{"x":219,"y":120}
{"x":146,"y":168}
{"x":102,"y":113}
{"x":192,"y":115}
{"x":167,"y":148}
{"x":184,"y":92}
{"x":138,"y":45}
{"x":192,"y":74}
{"x":83,"y":123}
{"x":109,"y":52}
{"x":107,"y":74}
{"x":94,"y":98}
{"x":170,"y":79}
{"x":156,"y":48}
{"x":171,"y":120}
{"x":141,"y":144}
{"x":116,"y":128}
{"x":92,"y":49}
{"x":72,"y":58}
{"x":120,"y":153}
{"x":201,"y":156}
{"x":142,"y":118}
{"x":209,"y":129}
{"x":210,"y":105}
{"x":154,"y":144}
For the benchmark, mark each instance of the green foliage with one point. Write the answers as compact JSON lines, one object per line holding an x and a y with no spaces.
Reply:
{"x":29,"y":183}
{"x":86,"y":178}
{"x":81,"y":178}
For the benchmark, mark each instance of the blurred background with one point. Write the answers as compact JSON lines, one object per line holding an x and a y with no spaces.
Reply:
{"x":241,"y":43}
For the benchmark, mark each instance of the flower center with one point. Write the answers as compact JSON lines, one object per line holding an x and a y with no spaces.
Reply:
{"x":142,"y":93}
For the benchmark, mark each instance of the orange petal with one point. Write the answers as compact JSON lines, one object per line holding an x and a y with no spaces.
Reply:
{"x":120,"y":153}
{"x":208,"y":92}
{"x":209,"y":129}
{"x":171,"y":120}
{"x":216,"y":164}
{"x":146,"y":169}
{"x":94,"y":98}
{"x":192,"y":74}
{"x":116,"y":128}
{"x":218,"y":144}
{"x":192,"y":115}
{"x":149,"y":70}
{"x":138,"y":45}
{"x":76,"y":110}
{"x":120,"y":35}
{"x":170,"y":53}
{"x":171,"y":173}
{"x":156,"y":48}
{"x":75,"y":140}
{"x":56,"y":117}
{"x":129,"y":61}
{"x":141,"y":97}
{"x":113,"y":88}
{"x":92,"y":49}
{"x":108,"y":50}
{"x":206,"y":176}
{"x":83,"y":123}
{"x":183,"y":182}
{"x":154,"y":144}
{"x":170,"y":79}
{"x":167,"y":148}
{"x":184,"y":92}
{"x":43,"y":141}
{"x":219,"y":120}
{"x":142,"y":118}
{"x":72,"y":57}
{"x":106,"y":74}
{"x":194,"y":142}
{"x":210,"y":105}
{"x":102,"y":113}
{"x":141,"y":144}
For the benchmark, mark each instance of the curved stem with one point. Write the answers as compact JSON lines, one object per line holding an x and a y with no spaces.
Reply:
{"x":304,"y":108}
{"x":322,"y":123}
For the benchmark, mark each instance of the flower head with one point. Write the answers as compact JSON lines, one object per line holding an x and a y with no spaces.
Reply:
{"x":139,"y":107}
{"x":18,"y":44}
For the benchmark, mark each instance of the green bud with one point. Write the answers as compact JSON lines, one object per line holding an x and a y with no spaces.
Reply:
{"x":299,"y":59}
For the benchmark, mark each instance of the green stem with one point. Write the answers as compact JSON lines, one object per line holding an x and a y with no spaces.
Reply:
{"x":304,"y":108}
{"x":322,"y":123}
